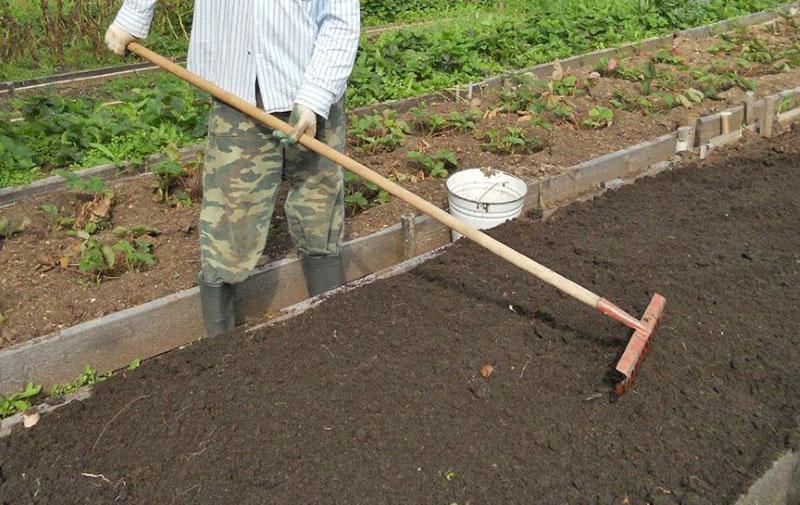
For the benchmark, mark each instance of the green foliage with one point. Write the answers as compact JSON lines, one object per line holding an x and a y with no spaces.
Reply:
{"x":177,"y":180}
{"x":18,"y":402}
{"x":438,"y":164}
{"x":537,"y":121}
{"x":511,"y":141}
{"x":599,"y":117}
{"x":135,"y":255}
{"x":135,"y":364}
{"x":522,"y":92}
{"x":68,"y":133}
{"x":376,"y":133}
{"x":664,"y":56}
{"x":89,"y":377}
{"x":566,"y":86}
{"x":92,"y":185}
{"x":431,"y":124}
{"x":99,"y":258}
{"x":360,"y":194}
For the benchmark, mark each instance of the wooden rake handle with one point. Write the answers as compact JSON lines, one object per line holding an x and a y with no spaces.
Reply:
{"x":507,"y":253}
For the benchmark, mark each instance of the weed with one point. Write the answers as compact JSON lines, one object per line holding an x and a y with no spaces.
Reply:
{"x":18,"y":402}
{"x":599,"y":117}
{"x":438,"y":164}
{"x":89,"y":377}
{"x":511,"y":141}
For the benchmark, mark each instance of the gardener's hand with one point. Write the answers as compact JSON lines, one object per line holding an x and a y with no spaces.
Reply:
{"x":303,"y":120}
{"x":118,"y":39}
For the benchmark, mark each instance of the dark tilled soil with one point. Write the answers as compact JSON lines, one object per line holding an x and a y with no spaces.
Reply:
{"x":376,"y":397}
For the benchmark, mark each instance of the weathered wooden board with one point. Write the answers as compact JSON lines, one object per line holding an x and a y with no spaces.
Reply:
{"x":144,"y":331}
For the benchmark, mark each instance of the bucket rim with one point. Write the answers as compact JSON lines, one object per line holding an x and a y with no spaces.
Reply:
{"x":450,"y":191}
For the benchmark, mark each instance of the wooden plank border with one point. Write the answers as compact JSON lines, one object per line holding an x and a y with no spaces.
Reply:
{"x":147,"y":330}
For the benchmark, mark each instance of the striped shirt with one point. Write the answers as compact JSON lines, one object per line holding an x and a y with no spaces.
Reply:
{"x":297,"y":50}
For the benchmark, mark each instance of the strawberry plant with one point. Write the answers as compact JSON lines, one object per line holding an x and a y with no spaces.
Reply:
{"x":178,"y":183}
{"x":431,"y":124}
{"x":135,"y":255}
{"x":511,"y":141}
{"x":438,"y":164}
{"x":57,"y":220}
{"x":101,"y":259}
{"x":599,"y":117}
{"x":360,"y":194}
{"x":376,"y":133}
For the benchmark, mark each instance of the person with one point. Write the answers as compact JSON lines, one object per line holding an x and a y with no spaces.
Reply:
{"x":291,"y":58}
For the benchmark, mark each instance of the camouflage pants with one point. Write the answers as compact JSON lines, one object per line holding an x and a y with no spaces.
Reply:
{"x":244,"y":167}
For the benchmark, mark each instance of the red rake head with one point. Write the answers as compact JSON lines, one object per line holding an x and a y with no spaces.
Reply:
{"x":638,"y":344}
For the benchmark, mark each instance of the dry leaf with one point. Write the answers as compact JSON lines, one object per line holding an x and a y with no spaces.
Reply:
{"x":612,"y":64}
{"x":63,"y":262}
{"x":487,"y":370}
{"x":95,"y":211}
{"x":558,"y":71}
{"x":30,"y":417}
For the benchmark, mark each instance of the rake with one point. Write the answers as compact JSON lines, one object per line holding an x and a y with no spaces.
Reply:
{"x":643,"y":328}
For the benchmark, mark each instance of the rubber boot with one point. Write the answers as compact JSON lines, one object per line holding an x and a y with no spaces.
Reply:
{"x":322,"y":272}
{"x":217,"y":300}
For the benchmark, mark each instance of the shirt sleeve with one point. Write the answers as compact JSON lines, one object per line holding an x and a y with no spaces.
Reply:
{"x":135,"y":17}
{"x":335,"y":49}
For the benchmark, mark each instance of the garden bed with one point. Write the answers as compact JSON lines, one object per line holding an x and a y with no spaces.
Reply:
{"x":375,"y":396}
{"x":44,"y":259}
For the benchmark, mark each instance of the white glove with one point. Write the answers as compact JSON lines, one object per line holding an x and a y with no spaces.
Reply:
{"x":304,"y":120}
{"x":118,"y":39}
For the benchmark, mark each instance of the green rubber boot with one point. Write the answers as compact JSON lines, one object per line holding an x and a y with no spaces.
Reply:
{"x":217,"y":300}
{"x":323,"y":272}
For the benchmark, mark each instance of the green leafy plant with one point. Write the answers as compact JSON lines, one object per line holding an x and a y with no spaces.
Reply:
{"x":135,"y":255}
{"x":522,"y":92}
{"x":376,"y":133}
{"x":57,"y":220}
{"x":666,"y":57}
{"x":511,"y":141}
{"x":360,"y":194}
{"x":599,"y":117}
{"x":93,"y":185}
{"x":537,"y":121}
{"x":178,"y":182}
{"x":438,"y":164}
{"x":89,"y":377}
{"x":18,"y":402}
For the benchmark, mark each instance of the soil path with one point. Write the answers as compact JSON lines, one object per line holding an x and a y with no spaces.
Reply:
{"x":375,"y":396}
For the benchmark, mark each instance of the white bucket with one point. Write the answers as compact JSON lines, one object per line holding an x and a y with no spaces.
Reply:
{"x":485,"y":201}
